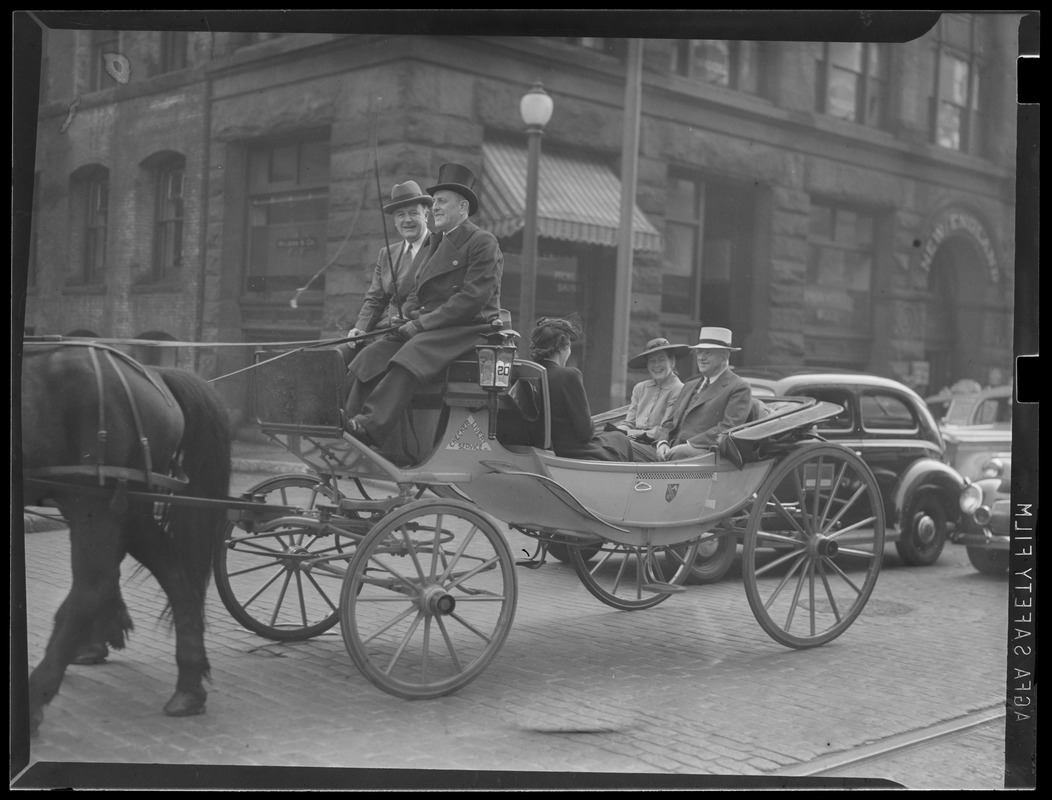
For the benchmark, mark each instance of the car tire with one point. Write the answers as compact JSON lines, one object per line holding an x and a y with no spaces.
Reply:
{"x":562,"y":552}
{"x":989,"y":562}
{"x":922,"y":529}
{"x":714,"y":560}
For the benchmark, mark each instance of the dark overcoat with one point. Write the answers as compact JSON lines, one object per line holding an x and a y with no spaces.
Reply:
{"x":698,"y":418}
{"x":573,"y":433}
{"x":455,"y":295}
{"x":382,"y":294}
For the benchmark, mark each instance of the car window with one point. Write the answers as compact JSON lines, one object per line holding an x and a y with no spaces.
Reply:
{"x":884,"y":411}
{"x":845,"y":420}
{"x":994,"y":409}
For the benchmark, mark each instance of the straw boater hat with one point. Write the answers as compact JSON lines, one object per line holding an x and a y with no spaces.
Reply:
{"x":459,"y":179}
{"x":408,"y":193}
{"x":675,"y":351}
{"x":714,"y":339}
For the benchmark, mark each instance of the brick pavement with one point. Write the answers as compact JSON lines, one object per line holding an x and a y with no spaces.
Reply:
{"x":693,"y":687}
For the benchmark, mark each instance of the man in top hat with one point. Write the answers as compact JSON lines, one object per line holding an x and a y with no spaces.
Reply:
{"x":715,"y":401}
{"x":452,"y":303}
{"x":396,"y":264}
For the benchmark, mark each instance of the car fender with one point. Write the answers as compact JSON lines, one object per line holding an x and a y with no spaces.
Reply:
{"x":927,"y":472}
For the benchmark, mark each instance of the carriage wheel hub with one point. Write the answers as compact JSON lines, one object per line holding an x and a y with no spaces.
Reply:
{"x":437,"y":601}
{"x":824,"y":547}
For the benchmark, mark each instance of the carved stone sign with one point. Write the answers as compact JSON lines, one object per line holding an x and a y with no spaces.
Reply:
{"x":957,"y":221}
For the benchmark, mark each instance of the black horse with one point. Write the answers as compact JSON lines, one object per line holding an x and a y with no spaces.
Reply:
{"x":96,"y":424}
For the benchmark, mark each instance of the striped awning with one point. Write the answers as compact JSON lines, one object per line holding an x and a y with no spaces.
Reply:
{"x":578,"y":200}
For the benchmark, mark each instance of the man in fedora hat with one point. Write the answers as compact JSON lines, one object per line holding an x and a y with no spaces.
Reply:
{"x":715,"y":401}
{"x":396,"y":264}
{"x":454,"y":299}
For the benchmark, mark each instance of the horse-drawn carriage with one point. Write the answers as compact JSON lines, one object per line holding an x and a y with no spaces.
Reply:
{"x":406,"y":547}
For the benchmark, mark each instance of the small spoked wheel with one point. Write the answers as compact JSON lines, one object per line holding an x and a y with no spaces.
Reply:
{"x":814,"y":545}
{"x":630,"y":577}
{"x":429,"y":598}
{"x":269,"y":576}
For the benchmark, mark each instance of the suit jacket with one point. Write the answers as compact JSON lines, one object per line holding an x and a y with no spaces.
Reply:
{"x":454,"y":297}
{"x":571,"y":419}
{"x":699,"y":419}
{"x":650,"y":403}
{"x":381,"y":293}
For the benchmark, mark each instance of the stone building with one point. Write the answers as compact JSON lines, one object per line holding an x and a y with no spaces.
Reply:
{"x":842,"y":204}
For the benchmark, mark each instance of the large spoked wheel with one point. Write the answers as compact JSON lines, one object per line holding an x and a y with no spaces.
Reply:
{"x":264,"y":575}
{"x":429,"y":598}
{"x":814,"y":545}
{"x":630,"y":578}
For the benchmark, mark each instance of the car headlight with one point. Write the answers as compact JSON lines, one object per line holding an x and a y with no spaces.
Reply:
{"x":993,"y":468}
{"x":971,"y":498}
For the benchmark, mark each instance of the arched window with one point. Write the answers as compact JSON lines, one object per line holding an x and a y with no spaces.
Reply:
{"x":156,"y":356}
{"x":89,"y":197}
{"x":167,"y":172}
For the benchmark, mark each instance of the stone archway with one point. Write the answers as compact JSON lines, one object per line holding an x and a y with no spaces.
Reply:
{"x":968,"y":330}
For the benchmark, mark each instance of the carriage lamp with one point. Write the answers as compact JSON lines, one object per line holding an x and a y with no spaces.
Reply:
{"x":495,"y":359}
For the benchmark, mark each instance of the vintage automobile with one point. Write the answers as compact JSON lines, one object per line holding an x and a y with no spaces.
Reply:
{"x":977,"y":426}
{"x":891,"y":428}
{"x":985,"y":528}
{"x":889,"y":425}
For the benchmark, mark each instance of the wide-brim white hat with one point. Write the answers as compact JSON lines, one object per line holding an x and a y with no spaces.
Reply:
{"x":714,"y":339}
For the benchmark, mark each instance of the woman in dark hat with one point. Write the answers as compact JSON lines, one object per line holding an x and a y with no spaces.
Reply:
{"x":572,"y":430}
{"x":653,"y":397}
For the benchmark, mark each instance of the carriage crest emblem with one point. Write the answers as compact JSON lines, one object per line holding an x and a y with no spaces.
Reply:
{"x":670,"y":492}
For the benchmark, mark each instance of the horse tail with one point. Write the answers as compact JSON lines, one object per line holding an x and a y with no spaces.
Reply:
{"x":205,"y":459}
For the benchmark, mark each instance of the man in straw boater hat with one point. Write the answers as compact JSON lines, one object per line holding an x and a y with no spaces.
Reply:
{"x":446,"y":312}
{"x":715,"y":401}
{"x":396,"y":264}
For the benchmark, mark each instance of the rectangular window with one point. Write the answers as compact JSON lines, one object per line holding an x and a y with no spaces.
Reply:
{"x":852,"y":84}
{"x":96,"y":197}
{"x":734,"y":64}
{"x":956,"y":112}
{"x":168,"y":222}
{"x":288,"y":209}
{"x":837,"y":294}
{"x":173,"y":50}
{"x":102,"y":43}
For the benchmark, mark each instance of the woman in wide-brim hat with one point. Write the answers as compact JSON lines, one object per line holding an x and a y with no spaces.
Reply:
{"x":651,"y":398}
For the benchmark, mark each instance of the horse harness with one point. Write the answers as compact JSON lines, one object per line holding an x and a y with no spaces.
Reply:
{"x":104,"y":471}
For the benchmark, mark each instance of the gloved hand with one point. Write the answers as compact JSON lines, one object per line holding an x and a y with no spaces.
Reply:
{"x":353,"y":332}
{"x":408,"y":331}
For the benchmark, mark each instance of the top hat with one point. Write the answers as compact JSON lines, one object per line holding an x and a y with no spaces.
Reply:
{"x":714,"y":339}
{"x":404,"y":194}
{"x":675,"y":351}
{"x":459,"y":179}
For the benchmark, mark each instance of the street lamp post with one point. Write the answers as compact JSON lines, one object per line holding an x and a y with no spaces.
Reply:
{"x":535,"y":108}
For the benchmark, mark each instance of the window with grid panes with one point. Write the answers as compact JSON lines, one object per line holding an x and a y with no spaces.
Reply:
{"x":102,"y":43}
{"x":853,"y":82}
{"x":734,"y":64}
{"x":837,"y":294}
{"x":288,"y":206}
{"x":173,"y":50}
{"x":95,"y":194}
{"x":955,"y":107}
{"x":168,"y":219}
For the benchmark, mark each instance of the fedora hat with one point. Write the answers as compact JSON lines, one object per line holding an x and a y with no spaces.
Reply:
{"x":659,"y":345}
{"x":457,"y":178}
{"x":404,"y":194}
{"x":714,"y":339}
